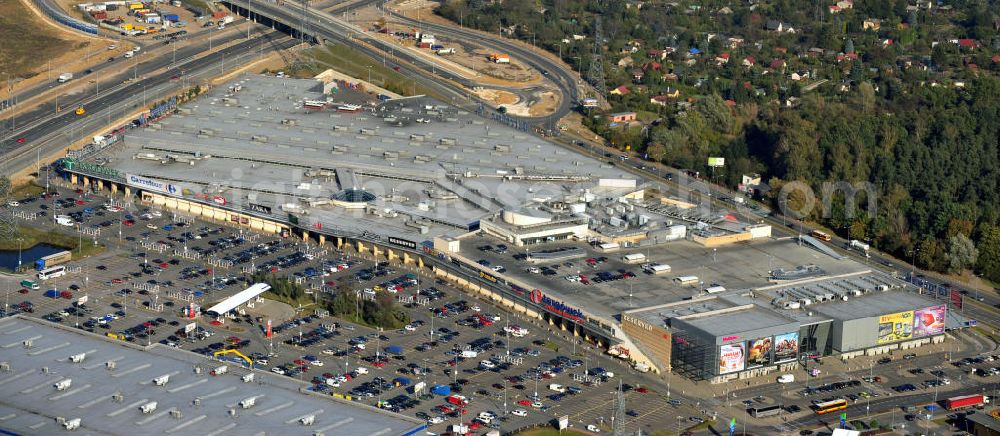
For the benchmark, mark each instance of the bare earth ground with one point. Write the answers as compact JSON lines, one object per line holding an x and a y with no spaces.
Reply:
{"x":496,"y":97}
{"x":24,"y":34}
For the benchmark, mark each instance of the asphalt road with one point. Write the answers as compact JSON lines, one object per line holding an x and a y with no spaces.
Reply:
{"x":555,"y":73}
{"x":109,"y":74}
{"x":47,"y":134}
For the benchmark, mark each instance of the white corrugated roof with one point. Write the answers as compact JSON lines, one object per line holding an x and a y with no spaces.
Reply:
{"x":242,"y":297}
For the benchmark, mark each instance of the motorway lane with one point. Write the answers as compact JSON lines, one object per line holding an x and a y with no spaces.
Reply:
{"x":125,"y":98}
{"x":139,"y":66}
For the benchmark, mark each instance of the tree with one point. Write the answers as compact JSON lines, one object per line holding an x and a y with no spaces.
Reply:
{"x":988,"y":263}
{"x":962,"y":253}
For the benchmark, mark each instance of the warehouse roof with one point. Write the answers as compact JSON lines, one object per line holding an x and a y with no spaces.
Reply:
{"x":189,"y":403}
{"x":430,"y":168}
{"x":735,"y":320}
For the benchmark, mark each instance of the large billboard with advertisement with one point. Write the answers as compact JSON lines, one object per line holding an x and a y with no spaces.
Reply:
{"x":895,"y":327}
{"x":732,"y":358}
{"x":759,"y":352}
{"x":928,"y":321}
{"x":786,"y":347}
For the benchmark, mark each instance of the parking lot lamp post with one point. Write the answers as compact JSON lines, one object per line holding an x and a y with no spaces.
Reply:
{"x":19,"y":240}
{"x":505,"y":413}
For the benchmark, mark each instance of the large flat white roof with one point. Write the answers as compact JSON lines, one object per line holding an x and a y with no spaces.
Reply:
{"x":189,"y":404}
{"x":241,"y":297}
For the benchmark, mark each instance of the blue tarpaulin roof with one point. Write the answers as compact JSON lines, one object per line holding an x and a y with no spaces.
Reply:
{"x":441,"y":390}
{"x":694,"y":51}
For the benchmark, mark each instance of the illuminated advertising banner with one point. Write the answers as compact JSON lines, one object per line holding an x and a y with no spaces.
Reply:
{"x":731,"y":358}
{"x":895,"y":327}
{"x":759,"y":352}
{"x":928,"y":321}
{"x":786,"y":347}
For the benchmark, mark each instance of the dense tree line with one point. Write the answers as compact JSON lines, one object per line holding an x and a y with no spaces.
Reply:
{"x":915,"y":115}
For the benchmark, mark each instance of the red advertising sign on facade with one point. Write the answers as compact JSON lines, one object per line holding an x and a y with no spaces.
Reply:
{"x":268,"y":328}
{"x":956,"y":299}
{"x":536,"y":296}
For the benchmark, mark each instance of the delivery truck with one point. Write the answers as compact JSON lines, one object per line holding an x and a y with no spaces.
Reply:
{"x":955,"y":403}
{"x":861,"y":247}
{"x":65,"y":77}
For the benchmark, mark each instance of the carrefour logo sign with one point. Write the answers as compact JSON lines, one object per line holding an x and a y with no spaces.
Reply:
{"x":149,"y":184}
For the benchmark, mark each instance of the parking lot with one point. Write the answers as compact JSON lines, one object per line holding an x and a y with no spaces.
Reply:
{"x":511,"y":371}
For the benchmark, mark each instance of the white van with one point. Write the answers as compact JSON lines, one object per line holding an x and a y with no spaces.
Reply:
{"x":362,"y":370}
{"x":786,"y":378}
{"x":557,"y":387}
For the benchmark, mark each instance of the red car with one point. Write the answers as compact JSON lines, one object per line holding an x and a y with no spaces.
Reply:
{"x":128,"y":223}
{"x":80,"y":202}
{"x":378,"y":364}
{"x":444,"y":409}
{"x":116,"y":281}
{"x":300,"y":362}
{"x":642,"y":390}
{"x":524,"y":402}
{"x":164,"y":265}
{"x":23,"y":291}
{"x":78,"y":191}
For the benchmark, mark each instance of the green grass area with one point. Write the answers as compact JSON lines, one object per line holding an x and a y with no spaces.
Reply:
{"x":552,"y":346}
{"x":27,"y":37}
{"x":986,"y":332}
{"x":26,"y":190}
{"x":551,"y":432}
{"x":355,"y":64}
{"x":303,"y":302}
{"x":29,"y":237}
{"x":200,"y":4}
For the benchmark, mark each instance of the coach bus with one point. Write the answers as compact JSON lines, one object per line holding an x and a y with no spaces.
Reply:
{"x":51,"y":273}
{"x":830,"y":406}
{"x":822,"y":236}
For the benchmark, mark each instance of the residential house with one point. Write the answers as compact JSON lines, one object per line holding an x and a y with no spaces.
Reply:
{"x":625,"y":62}
{"x":845,"y":4}
{"x":655,"y":53}
{"x":660,"y":100}
{"x":578,"y":37}
{"x":873,"y":24}
{"x":967,"y":43}
{"x":725,"y":10}
{"x":845,"y":57}
{"x":781,"y":50}
{"x":637,"y":74}
{"x":722,"y":58}
{"x":669,"y":76}
{"x":651,"y":66}
{"x":777,"y":64}
{"x":800,"y":75}
{"x":834,"y":9}
{"x":779,"y":27}
{"x":622,"y":117}
{"x":734,"y":42}
{"x":749,"y":61}
{"x":621,"y":90}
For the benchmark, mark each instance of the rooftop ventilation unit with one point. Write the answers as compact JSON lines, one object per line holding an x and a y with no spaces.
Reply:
{"x":72,"y":424}
{"x":77,"y":358}
{"x":148,"y":407}
{"x":63,"y":384}
{"x":161,"y":380}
